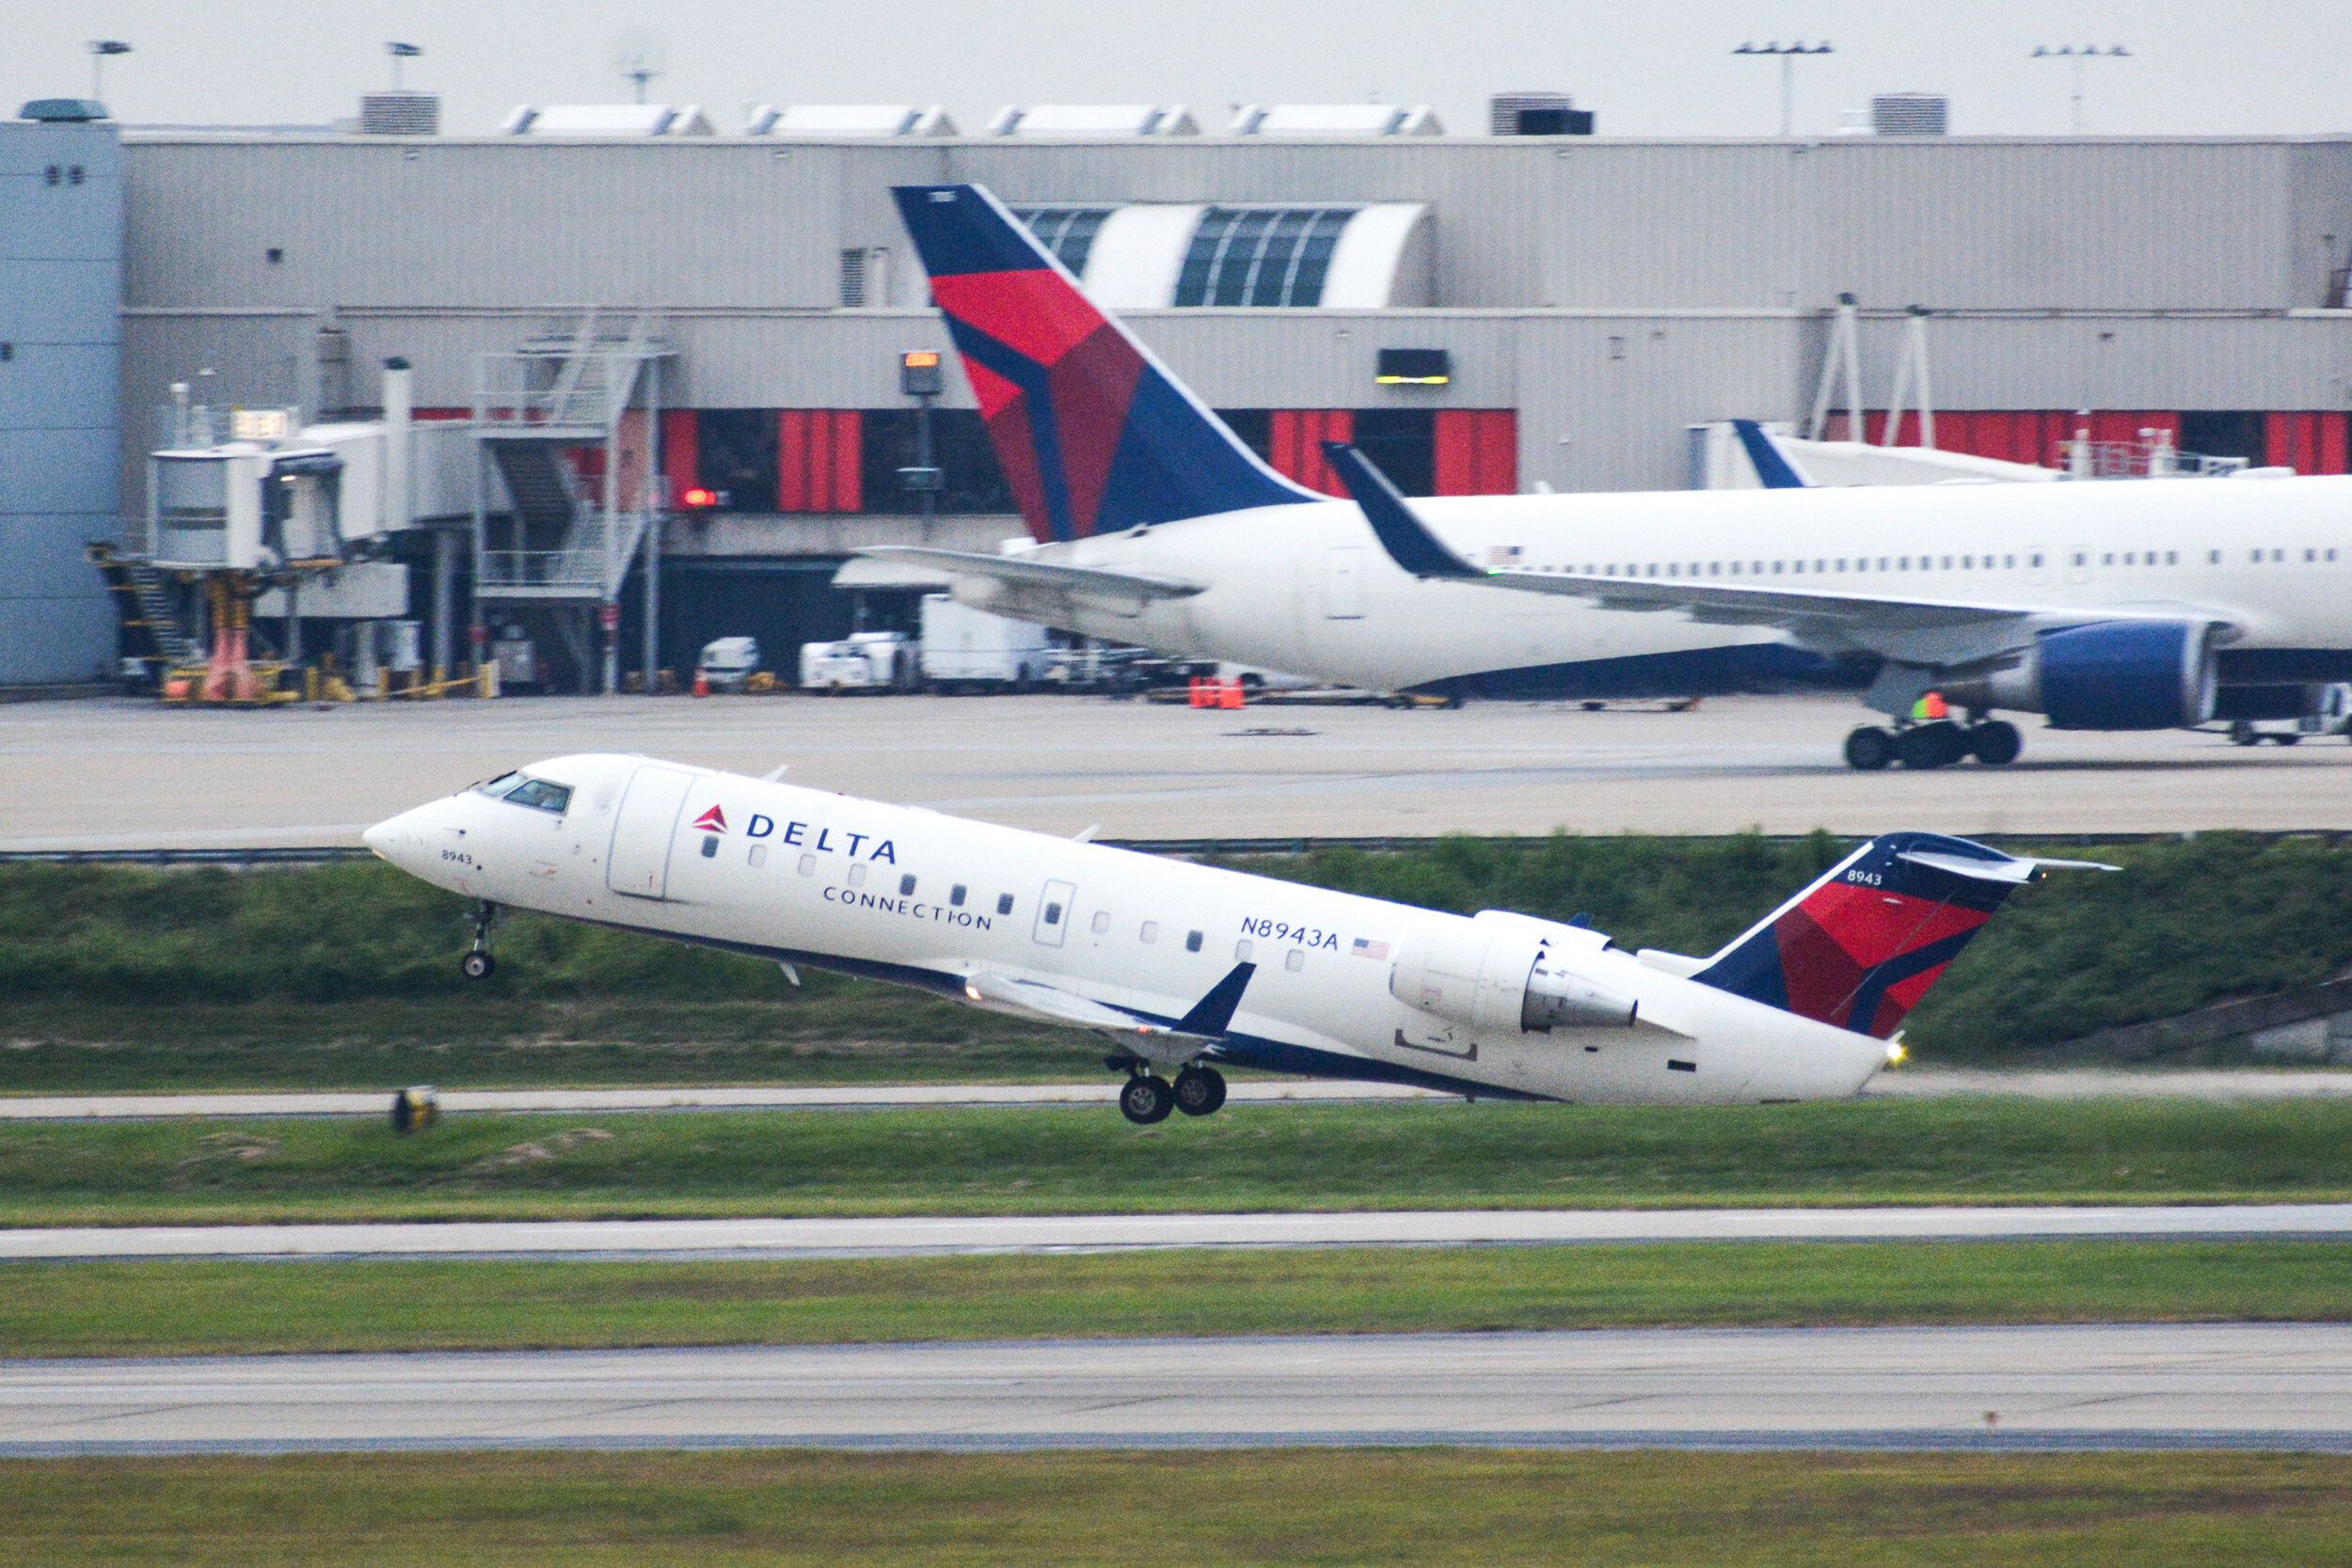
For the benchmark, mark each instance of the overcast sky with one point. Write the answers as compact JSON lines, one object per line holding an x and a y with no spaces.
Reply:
{"x":1663,"y":69}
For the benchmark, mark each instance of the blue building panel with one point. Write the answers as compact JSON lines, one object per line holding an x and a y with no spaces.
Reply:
{"x":57,"y":302}
{"x":60,"y":375}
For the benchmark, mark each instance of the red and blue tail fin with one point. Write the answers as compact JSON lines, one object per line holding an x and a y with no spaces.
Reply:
{"x":1861,"y":946}
{"x":1094,"y":434}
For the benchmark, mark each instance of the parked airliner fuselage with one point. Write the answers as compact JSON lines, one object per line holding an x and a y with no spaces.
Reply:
{"x":1307,"y":587}
{"x":1049,"y":928}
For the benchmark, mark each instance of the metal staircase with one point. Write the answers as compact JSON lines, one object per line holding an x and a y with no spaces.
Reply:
{"x":567,"y":538}
{"x":151,"y":631}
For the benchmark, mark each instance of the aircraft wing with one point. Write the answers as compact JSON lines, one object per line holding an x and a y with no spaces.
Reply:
{"x":1207,"y":1019}
{"x":1091,"y":581}
{"x":1902,"y":627}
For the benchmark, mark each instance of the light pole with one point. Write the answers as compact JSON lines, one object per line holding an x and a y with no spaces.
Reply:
{"x":400,"y":52}
{"x":2076,"y":59}
{"x":1787,"y":55}
{"x":99,"y":51}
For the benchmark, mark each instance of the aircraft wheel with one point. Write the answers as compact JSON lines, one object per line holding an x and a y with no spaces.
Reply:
{"x":477,"y":966}
{"x":1936,"y":745}
{"x":2244,"y":733}
{"x":2289,"y":739}
{"x":1146,"y":1099}
{"x":1200,"y":1091}
{"x":1869,"y":748}
{"x":1995,"y":742}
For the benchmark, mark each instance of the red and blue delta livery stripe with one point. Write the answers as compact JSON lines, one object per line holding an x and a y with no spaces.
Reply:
{"x":1861,"y":946}
{"x":1093,"y":435}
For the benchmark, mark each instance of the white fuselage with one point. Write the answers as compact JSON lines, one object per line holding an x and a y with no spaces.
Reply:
{"x":1307,"y":588}
{"x":959,"y":908}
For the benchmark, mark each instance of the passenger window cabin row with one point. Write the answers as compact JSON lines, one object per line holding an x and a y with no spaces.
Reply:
{"x":1829,"y":565}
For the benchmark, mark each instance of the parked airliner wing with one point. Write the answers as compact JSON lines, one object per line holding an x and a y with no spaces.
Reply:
{"x":1039,"y":574}
{"x":1873,"y":621}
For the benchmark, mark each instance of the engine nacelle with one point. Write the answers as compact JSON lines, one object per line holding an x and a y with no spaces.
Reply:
{"x":1503,"y":973}
{"x":2114,"y":675}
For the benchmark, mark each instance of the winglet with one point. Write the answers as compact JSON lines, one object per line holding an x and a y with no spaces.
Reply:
{"x":1213,"y":1015}
{"x":1407,"y":539}
{"x":1772,"y":468}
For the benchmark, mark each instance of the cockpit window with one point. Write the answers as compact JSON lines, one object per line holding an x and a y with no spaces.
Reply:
{"x":499,"y":785}
{"x":540,"y":796}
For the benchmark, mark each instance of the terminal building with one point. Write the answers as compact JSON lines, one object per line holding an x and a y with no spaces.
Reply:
{"x":1482,"y":314}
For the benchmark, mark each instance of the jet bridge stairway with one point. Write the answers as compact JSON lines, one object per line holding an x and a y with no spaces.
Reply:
{"x":151,"y":630}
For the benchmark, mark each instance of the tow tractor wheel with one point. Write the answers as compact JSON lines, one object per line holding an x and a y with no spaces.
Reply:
{"x":1994,"y":742}
{"x":1146,"y":1099}
{"x":477,"y":966}
{"x":1869,"y":748}
{"x":1199,"y":1090}
{"x":2244,"y":733}
{"x":1934,"y":745}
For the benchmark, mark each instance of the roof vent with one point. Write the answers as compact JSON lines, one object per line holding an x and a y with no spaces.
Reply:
{"x":1335,"y":120}
{"x":400,"y":114}
{"x":1911,"y":114}
{"x":1094,"y":119}
{"x":607,"y":119}
{"x":1536,"y":114}
{"x":64,"y":111}
{"x":849,"y":119}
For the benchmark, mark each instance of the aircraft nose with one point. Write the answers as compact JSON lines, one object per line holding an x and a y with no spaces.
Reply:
{"x":398,"y":839}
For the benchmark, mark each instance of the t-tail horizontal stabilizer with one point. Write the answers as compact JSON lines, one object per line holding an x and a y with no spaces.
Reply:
{"x":1861,"y":946}
{"x":1407,"y":539}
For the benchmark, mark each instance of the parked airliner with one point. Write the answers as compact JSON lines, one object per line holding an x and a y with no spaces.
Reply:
{"x":1186,"y":967}
{"x":2135,"y":605}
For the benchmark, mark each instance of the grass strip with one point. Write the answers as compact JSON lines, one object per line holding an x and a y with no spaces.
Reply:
{"x":215,"y":1308}
{"x":1250,"y":1506}
{"x":1264,"y":1158}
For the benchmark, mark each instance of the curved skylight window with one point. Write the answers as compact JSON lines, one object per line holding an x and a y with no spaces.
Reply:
{"x":1260,"y":255}
{"x":1067,"y":231}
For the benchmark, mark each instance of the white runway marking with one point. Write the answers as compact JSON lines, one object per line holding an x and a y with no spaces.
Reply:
{"x":2202,"y":1385}
{"x":904,"y":1236}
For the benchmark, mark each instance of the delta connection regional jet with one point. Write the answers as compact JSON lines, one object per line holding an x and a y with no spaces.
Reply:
{"x":2102,"y":607}
{"x":1186,"y":967}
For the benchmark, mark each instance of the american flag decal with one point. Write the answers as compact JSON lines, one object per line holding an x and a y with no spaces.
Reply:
{"x":1362,"y":948}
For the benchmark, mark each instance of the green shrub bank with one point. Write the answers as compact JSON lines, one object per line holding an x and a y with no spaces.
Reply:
{"x":2191,"y":921}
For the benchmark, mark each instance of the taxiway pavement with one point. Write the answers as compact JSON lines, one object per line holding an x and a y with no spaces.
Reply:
{"x":2285,"y":1385}
{"x":1910,"y":1084}
{"x":927,"y":1235}
{"x":131,"y":774}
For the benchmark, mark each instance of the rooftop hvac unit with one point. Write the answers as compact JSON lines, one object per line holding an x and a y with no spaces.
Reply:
{"x":1910,"y":114}
{"x":400,"y":114}
{"x":1536,"y":114}
{"x":849,"y":119}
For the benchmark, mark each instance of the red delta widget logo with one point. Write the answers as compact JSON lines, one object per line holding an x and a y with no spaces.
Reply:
{"x":712,"y":821}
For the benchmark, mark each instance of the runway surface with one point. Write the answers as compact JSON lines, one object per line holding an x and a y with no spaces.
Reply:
{"x":132,"y":774}
{"x":913,"y":1236}
{"x":2205,"y":1385}
{"x":1910,"y":1084}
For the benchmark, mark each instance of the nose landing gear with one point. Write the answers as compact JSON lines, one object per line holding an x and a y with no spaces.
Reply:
{"x":478,"y":964}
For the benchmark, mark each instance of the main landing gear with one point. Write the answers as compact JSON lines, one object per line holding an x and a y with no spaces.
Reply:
{"x":478,"y":964}
{"x":1148,"y":1098}
{"x":1938,"y":743}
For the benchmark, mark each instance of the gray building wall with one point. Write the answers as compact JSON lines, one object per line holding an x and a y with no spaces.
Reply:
{"x":1610,"y":291}
{"x":61,"y":288}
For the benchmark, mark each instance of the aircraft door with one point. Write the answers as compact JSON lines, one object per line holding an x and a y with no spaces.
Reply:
{"x":1054,"y":909}
{"x":643,"y":831}
{"x":1344,"y":583}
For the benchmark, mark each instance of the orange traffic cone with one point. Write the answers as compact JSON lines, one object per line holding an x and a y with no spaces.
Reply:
{"x":1230,"y":694}
{"x":702,"y":684}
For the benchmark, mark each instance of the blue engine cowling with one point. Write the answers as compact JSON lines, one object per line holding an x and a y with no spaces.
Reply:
{"x":2113,"y":675}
